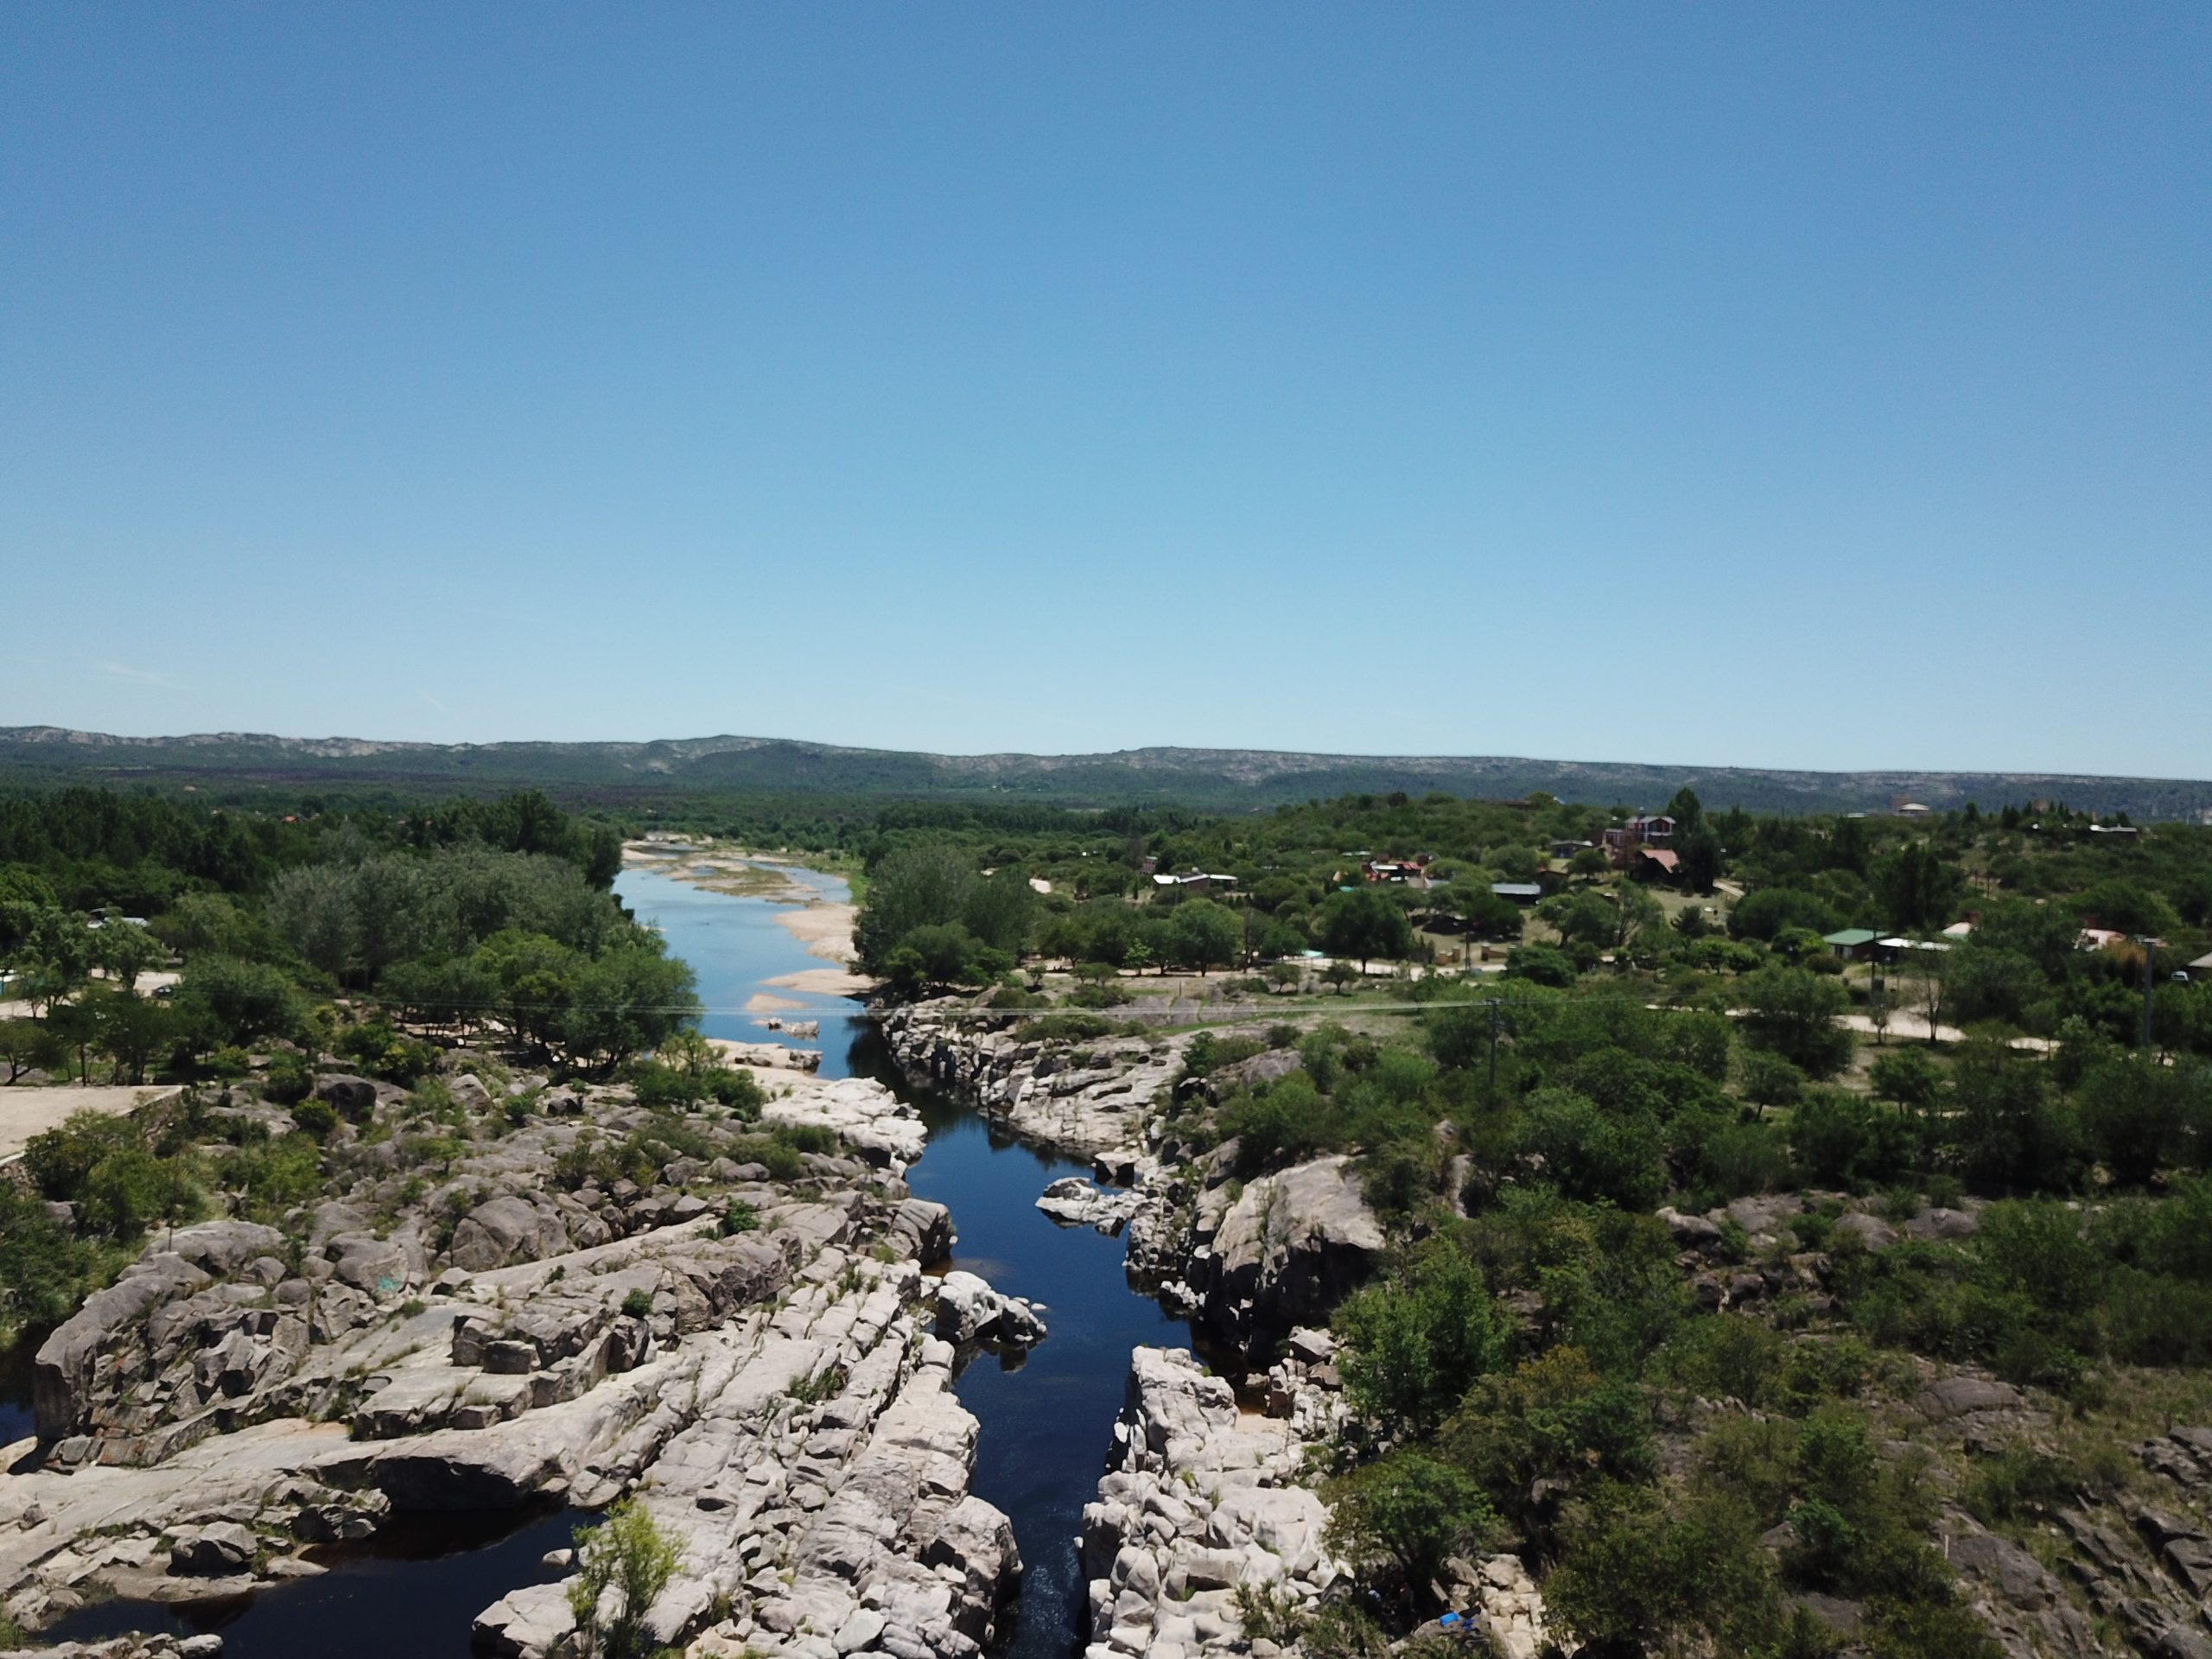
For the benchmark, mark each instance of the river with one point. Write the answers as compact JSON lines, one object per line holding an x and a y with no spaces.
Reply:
{"x":1046,"y":1422}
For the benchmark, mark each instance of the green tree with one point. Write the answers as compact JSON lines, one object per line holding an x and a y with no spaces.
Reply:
{"x":26,"y":1046}
{"x":1768,"y":1079}
{"x":1688,"y":813}
{"x":1414,"y":1509}
{"x":1843,"y":1140}
{"x":212,"y":922}
{"x":1908,"y":1078}
{"x":1365,"y":923}
{"x":45,"y":1269}
{"x":1642,"y":1574}
{"x":23,"y":896}
{"x":1594,"y":1155}
{"x":237,"y":1002}
{"x":1792,"y":1012}
{"x":1700,"y":855}
{"x":1589,"y":863}
{"x":2137,"y":1114}
{"x":55,"y":956}
{"x":126,"y":951}
{"x":630,"y":999}
{"x":2010,"y":1133}
{"x":1487,"y":915}
{"x":131,"y":1030}
{"x":1917,"y":887}
{"x":1415,"y":1343}
{"x":622,"y":1566}
{"x":1001,"y":912}
{"x":1205,"y":934}
{"x":925,"y":884}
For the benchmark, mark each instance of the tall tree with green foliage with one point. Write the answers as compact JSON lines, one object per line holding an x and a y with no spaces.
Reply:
{"x":1365,"y":923}
{"x":1794,"y":1012}
{"x":1414,"y":1344}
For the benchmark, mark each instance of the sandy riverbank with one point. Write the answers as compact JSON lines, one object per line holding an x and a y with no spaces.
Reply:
{"x":825,"y":928}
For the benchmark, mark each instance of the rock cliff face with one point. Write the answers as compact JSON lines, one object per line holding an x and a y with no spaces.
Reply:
{"x":753,"y":1357}
{"x":1281,"y":1252}
{"x":1089,"y":1098}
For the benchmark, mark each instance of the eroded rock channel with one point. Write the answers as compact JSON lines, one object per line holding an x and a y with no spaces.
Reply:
{"x":857,"y":1446}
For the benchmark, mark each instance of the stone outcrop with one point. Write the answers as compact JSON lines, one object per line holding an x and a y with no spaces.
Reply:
{"x":1197,"y":1500}
{"x":1089,"y":1097}
{"x":864,"y":1114}
{"x":755,"y":1359}
{"x":1074,"y":1202}
{"x":969,"y":1310}
{"x":1283,"y":1251}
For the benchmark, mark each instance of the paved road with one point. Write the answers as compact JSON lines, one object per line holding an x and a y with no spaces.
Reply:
{"x":27,"y":1111}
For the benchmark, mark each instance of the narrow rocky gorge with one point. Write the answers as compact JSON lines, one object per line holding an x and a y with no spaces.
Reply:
{"x":1202,"y":1497}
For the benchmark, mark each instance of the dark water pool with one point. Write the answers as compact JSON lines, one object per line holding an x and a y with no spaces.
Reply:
{"x":15,"y":1418}
{"x":1045,"y":1423}
{"x":412,"y":1592}
{"x":1046,"y":1426}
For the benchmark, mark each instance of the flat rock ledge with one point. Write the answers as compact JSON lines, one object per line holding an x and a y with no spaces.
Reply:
{"x":775,"y":1395}
{"x":1072,"y":1201}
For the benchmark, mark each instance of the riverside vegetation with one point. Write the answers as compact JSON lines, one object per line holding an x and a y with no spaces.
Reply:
{"x":1745,"y":1331}
{"x":451,"y":1208}
{"x":1744,"y":1302}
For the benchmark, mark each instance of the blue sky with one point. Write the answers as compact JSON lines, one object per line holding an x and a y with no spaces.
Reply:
{"x":1806,"y":386}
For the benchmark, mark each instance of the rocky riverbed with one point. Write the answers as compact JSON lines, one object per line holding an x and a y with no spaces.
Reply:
{"x":1202,"y":1497}
{"x":565,"y":1308}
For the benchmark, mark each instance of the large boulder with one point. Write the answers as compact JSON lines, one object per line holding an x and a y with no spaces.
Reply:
{"x":1263,"y":1069}
{"x":221,"y":1548}
{"x":1290,"y":1247}
{"x":64,"y":1369}
{"x":969,"y":1310}
{"x":376,"y":1266}
{"x":349,"y":1096}
{"x":524,"y":1623}
{"x":221,"y":1247}
{"x":507,"y":1229}
{"x":1074,"y":1202}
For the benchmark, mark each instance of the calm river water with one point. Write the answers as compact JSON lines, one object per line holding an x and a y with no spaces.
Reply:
{"x":1046,"y":1422}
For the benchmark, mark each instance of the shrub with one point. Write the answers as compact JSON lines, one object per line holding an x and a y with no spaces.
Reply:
{"x":2020,"y":1483}
{"x":626,"y":1555}
{"x":1284,"y":1124}
{"x":1540,"y":964}
{"x":1066,"y":1027}
{"x":1843,"y":1140}
{"x":1414,"y":1344}
{"x":1592,"y":1155}
{"x":290,"y":1080}
{"x":1414,"y":1509}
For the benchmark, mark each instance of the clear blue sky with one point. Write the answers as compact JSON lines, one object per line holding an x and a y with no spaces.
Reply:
{"x":1814,"y":386}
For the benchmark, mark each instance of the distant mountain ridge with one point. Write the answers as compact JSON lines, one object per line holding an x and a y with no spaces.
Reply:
{"x":1220,"y":778}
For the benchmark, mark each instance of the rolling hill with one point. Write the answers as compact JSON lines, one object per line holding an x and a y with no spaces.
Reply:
{"x":1217,"y":779}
